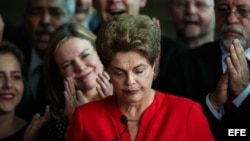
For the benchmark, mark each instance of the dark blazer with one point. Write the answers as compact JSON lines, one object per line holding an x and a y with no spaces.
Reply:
{"x":169,"y":48}
{"x":194,"y":73}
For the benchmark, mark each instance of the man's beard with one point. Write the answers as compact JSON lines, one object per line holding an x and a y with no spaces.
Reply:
{"x":226,"y":41}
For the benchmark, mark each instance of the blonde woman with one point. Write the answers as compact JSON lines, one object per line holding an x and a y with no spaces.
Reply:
{"x":74,"y":75}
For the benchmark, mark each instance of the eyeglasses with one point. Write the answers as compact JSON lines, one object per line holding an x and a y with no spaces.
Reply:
{"x":239,"y":12}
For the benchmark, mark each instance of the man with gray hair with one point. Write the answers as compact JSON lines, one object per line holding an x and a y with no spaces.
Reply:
{"x":217,"y":73}
{"x":194,"y":21}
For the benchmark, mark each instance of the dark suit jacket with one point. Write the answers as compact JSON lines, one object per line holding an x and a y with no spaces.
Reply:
{"x":194,"y":73}
{"x":169,"y":48}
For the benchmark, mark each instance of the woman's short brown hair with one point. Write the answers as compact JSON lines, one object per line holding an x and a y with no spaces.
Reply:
{"x":128,"y":33}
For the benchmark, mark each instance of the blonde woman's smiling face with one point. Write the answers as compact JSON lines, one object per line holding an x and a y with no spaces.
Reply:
{"x":78,"y":59}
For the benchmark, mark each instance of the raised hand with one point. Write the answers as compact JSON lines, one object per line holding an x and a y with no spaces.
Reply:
{"x":104,"y":88}
{"x":237,"y":69}
{"x":236,"y":78}
{"x":156,"y":21}
{"x":220,"y":96}
{"x":35,"y":125}
{"x":73,"y":97}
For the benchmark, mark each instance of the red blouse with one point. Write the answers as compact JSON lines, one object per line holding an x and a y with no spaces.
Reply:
{"x":169,"y":118}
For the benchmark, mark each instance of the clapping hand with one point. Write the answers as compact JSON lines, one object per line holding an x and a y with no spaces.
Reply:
{"x":104,"y":88}
{"x":219,"y":97}
{"x":156,"y":21}
{"x":237,"y":66}
{"x":36,"y":124}
{"x":235,"y":79}
{"x":75,"y":98}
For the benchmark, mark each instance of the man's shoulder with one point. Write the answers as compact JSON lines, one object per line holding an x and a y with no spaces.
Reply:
{"x":203,"y":50}
{"x":167,"y":41}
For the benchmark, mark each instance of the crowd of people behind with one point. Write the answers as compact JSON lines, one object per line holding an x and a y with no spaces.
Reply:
{"x":102,"y":70}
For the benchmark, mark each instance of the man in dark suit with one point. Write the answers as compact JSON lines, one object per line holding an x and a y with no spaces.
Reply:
{"x":217,"y":74}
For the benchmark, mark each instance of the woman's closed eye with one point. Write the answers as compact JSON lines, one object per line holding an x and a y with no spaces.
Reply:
{"x":118,"y":73}
{"x":85,"y":55}
{"x":66,"y":64}
{"x":139,"y":71}
{"x":17,"y":77}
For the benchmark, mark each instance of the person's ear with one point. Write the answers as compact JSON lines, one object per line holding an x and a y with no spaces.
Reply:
{"x":155,"y":68}
{"x":154,"y":65}
{"x":143,"y":3}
